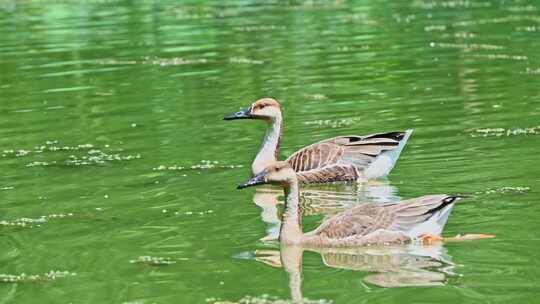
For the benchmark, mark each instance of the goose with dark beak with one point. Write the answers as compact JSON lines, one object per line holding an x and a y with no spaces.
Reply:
{"x":342,"y":158}
{"x":422,"y":218}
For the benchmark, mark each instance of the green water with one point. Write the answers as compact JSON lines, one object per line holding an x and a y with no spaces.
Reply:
{"x":112,"y":146}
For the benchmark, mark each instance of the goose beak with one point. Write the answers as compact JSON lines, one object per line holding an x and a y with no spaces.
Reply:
{"x":242,"y":114}
{"x":258,"y":179}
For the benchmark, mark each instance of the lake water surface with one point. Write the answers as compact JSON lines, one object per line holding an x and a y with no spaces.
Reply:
{"x":118,"y":175}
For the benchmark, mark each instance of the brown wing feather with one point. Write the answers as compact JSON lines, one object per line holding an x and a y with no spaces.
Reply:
{"x":328,"y":174}
{"x":357,"y":221}
{"x":346,"y":155}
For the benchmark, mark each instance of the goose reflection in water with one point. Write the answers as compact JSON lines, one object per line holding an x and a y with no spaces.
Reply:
{"x":394,"y":266}
{"x":321,"y":200}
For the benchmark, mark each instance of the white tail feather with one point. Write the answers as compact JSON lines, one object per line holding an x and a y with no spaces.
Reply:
{"x":385,"y":162}
{"x":434,"y":225}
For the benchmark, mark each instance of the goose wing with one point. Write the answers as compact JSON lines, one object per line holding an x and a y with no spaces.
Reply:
{"x":403,"y":217}
{"x":340,"y":158}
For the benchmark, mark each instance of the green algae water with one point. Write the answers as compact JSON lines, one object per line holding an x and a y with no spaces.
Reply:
{"x":118,"y":175}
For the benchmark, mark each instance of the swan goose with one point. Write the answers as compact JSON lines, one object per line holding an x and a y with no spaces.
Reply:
{"x":342,"y":158}
{"x":422,"y":218}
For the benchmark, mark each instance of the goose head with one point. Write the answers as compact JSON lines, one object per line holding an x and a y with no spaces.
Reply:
{"x":278,"y":173}
{"x":264,"y":108}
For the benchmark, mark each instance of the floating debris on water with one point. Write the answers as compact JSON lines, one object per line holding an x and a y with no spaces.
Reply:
{"x":450,"y":4}
{"x":512,"y":18}
{"x":40,"y":164}
{"x":172,"y":61}
{"x":176,"y":61}
{"x":506,"y":189}
{"x":520,"y":9}
{"x":527,"y":28}
{"x":244,"y":60}
{"x":350,"y":48}
{"x":7,"y":188}
{"x":198,"y":12}
{"x":465,"y":46}
{"x":319,"y":97}
{"x":530,"y":71}
{"x":432,"y":28}
{"x":92,"y":155}
{"x":33,"y":222}
{"x":50,"y":146}
{"x":97,"y":157}
{"x":464,"y":35}
{"x":501,"y":57}
{"x":153,"y":261}
{"x":331,"y":123}
{"x":361,"y":18}
{"x":505,"y":132}
{"x":205,"y":212}
{"x":259,"y":28}
{"x":266,"y":299}
{"x":25,"y":278}
{"x":195,"y":212}
{"x":204,"y":164}
{"x":155,"y":61}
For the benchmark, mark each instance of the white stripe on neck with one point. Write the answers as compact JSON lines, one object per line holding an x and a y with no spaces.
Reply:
{"x":269,"y":149}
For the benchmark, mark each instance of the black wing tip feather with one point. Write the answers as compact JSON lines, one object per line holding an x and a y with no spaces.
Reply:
{"x":448,"y":200}
{"x":453,"y":198}
{"x":396,"y":135}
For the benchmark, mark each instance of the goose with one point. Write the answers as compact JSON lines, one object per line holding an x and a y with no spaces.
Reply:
{"x":422,"y":218}
{"x":342,"y":158}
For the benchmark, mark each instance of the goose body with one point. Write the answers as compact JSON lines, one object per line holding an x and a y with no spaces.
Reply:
{"x":364,"y":225}
{"x":342,"y":158}
{"x":384,"y":224}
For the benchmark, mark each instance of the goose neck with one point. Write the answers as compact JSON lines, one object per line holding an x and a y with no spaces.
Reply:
{"x":269,"y":150}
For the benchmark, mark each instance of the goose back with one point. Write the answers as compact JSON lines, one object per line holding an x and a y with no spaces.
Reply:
{"x":342,"y":158}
